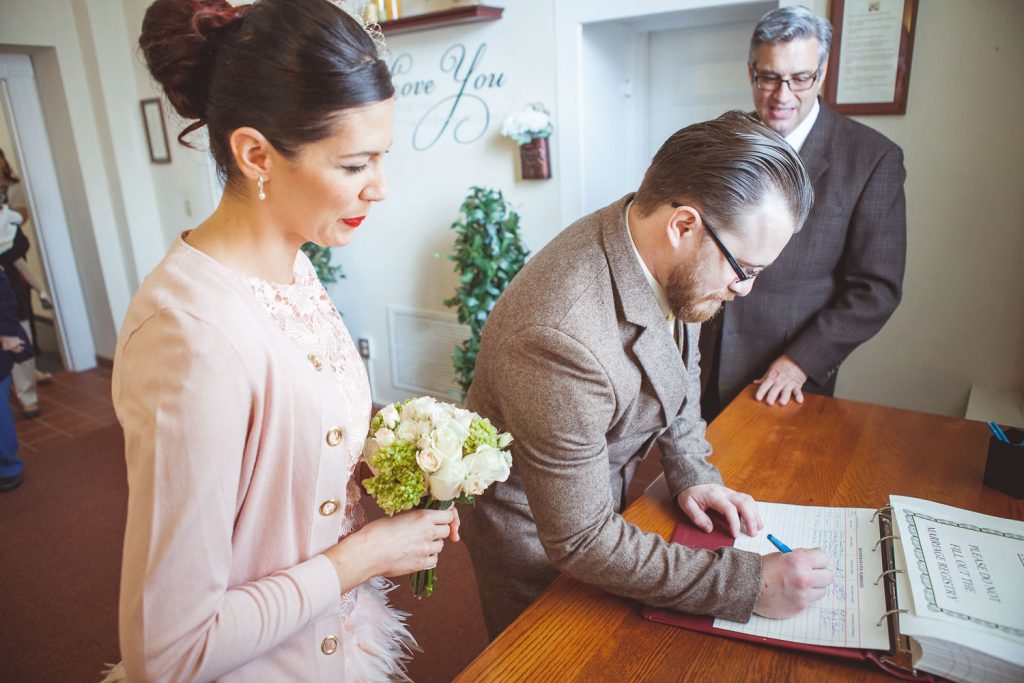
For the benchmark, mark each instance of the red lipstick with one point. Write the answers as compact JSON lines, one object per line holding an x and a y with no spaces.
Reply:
{"x":353,"y":222}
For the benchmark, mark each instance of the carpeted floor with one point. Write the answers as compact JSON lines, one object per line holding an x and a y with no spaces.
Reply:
{"x":61,"y":535}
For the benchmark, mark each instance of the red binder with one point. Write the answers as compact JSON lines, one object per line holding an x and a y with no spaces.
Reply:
{"x":689,"y":535}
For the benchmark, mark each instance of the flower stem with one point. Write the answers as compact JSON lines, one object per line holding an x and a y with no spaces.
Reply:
{"x":424,"y":581}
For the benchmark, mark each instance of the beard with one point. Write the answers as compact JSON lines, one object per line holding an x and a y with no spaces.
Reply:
{"x":687,"y":297}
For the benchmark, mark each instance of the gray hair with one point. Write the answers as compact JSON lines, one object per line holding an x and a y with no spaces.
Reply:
{"x":789,"y":23}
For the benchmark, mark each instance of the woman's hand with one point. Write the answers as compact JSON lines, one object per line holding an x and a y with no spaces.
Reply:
{"x":393,"y":546}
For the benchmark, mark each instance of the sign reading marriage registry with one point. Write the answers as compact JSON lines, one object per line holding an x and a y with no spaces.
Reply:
{"x":461,"y":85}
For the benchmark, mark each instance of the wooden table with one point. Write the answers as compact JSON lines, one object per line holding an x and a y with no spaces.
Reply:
{"x":824,"y":452}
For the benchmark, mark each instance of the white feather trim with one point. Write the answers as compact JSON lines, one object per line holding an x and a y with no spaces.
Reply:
{"x":114,"y":673}
{"x":376,"y":642}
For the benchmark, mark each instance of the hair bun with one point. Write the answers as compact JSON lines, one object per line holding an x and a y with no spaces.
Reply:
{"x":179,"y":41}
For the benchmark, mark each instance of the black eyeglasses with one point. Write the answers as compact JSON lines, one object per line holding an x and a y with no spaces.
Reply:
{"x":742,"y":273}
{"x":797,"y":82}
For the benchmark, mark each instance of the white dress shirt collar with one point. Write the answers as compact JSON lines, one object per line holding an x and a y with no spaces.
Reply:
{"x":799,"y":134}
{"x":659,"y":291}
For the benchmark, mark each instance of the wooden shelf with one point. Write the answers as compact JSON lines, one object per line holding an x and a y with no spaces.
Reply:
{"x":448,"y":17}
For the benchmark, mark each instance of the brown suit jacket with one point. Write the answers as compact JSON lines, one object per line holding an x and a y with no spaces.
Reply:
{"x":577,"y":362}
{"x":836,"y":282}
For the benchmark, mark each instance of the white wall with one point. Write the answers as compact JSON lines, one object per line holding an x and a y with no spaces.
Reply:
{"x":184,"y":193}
{"x":962,"y":316}
{"x":75,"y":49}
{"x":399,"y":257}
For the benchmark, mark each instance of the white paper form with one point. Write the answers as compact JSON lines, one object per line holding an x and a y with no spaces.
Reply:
{"x":848,"y":614}
{"x":954,"y":651}
{"x":964,"y":570}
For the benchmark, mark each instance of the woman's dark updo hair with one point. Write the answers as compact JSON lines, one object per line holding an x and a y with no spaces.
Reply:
{"x":283,"y":67}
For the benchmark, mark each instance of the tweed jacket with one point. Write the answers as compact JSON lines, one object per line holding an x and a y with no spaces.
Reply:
{"x":839,"y":278}
{"x":577,"y":362}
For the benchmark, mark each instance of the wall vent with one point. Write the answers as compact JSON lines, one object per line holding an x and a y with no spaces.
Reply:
{"x":422,"y":344}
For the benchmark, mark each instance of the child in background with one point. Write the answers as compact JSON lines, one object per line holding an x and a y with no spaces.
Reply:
{"x":15,"y":348}
{"x":14,"y":246}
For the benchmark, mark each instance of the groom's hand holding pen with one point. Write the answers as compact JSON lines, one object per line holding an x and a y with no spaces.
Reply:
{"x":791,"y":580}
{"x":783,"y":548}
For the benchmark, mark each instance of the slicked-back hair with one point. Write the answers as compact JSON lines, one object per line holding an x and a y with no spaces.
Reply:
{"x":725,"y":168}
{"x":790,"y":23}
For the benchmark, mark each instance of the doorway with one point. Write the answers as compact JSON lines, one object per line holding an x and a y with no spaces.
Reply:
{"x":700,"y":73}
{"x":634,"y":74}
{"x":42,"y":320}
{"x":64,"y":332}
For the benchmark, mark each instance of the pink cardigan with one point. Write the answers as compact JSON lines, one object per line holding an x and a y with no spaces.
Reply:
{"x":231,"y":449}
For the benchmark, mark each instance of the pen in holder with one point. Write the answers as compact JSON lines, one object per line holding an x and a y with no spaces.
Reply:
{"x":1005,"y":467}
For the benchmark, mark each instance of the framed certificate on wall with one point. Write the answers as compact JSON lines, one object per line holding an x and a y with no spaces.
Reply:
{"x":869,"y":68}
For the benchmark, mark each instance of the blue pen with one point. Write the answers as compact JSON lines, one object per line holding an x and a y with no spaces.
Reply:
{"x":998,"y":431}
{"x":783,"y":548}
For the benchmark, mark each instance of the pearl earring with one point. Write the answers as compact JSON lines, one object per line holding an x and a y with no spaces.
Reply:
{"x":259,"y":184}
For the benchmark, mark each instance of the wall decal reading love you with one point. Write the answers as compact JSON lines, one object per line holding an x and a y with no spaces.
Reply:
{"x":464,"y":114}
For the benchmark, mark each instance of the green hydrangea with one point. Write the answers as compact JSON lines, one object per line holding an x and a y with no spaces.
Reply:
{"x":378,"y":419}
{"x":481,"y":432}
{"x":376,"y":423}
{"x":399,"y":483}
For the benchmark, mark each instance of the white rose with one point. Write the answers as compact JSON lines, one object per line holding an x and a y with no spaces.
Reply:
{"x":370,"y":449}
{"x":463,"y":417}
{"x":408,"y":430}
{"x":484,"y":467}
{"x":447,"y":444}
{"x":440,"y":413}
{"x":384,"y":437}
{"x":457,"y":428}
{"x":419,"y":408}
{"x":389,"y":415}
{"x":504,"y":440}
{"x":534,"y":121}
{"x":428,"y":460}
{"x":426,"y":442}
{"x":446,"y":482}
{"x":510,"y":126}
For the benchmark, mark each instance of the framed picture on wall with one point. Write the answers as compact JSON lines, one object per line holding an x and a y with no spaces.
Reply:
{"x":156,"y":132}
{"x":869,"y":68}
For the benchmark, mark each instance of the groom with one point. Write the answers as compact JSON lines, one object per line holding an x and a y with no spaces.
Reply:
{"x":590,"y":357}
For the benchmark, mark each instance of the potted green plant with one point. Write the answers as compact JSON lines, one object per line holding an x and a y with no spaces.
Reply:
{"x":488,"y":252}
{"x":328,"y":272}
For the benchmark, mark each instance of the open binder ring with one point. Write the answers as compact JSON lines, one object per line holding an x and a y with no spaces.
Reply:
{"x":892,"y":611}
{"x":880,"y":511}
{"x":888,"y":571}
{"x":884,"y":538}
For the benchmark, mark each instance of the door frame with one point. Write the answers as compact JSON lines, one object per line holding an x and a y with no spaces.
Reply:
{"x":571,"y":19}
{"x":19,"y":98}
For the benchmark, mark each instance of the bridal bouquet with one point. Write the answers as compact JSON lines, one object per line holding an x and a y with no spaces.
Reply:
{"x":428,"y":454}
